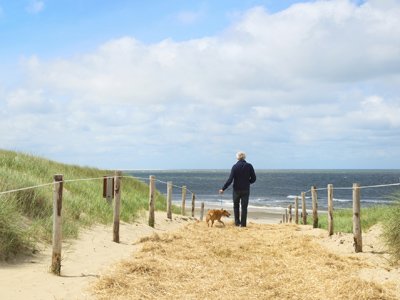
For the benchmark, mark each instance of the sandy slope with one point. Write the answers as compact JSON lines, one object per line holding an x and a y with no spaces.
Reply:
{"x":83,"y":261}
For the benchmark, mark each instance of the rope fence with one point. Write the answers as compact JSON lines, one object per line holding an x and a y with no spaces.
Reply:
{"x":356,"y":197}
{"x":361,"y":187}
{"x":48,"y":184}
{"x":112,"y":190}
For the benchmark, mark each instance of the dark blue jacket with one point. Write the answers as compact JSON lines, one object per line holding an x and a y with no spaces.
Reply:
{"x":242,"y":175}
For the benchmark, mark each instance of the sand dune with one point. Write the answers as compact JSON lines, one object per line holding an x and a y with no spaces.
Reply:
{"x":87,"y":261}
{"x":83,"y":260}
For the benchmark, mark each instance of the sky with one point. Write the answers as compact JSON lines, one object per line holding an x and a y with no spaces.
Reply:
{"x":174,"y":84}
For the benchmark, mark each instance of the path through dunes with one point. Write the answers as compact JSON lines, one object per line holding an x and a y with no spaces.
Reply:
{"x":262,"y":261}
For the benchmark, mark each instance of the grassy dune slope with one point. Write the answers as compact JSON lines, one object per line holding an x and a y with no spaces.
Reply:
{"x":26,"y":216}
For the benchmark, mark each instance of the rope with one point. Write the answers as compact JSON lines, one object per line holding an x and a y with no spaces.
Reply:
{"x":138,"y":178}
{"x":48,"y":184}
{"x":378,"y":186}
{"x":180,"y":187}
{"x":335,"y":188}
{"x":350,"y":188}
{"x":361,"y":187}
{"x":160,"y":181}
{"x":86,"y":179}
{"x":26,"y":188}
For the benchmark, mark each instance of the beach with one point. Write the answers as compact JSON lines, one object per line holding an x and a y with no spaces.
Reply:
{"x":89,"y":259}
{"x":254,"y":214}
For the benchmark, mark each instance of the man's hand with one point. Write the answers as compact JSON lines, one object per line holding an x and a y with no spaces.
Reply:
{"x":221,"y":191}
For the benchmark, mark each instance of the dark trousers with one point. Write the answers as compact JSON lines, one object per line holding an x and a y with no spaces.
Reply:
{"x":240,"y":198}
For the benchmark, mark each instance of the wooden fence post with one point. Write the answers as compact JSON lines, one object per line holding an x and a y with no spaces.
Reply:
{"x":117,"y":205}
{"x":152,"y":190}
{"x":286,"y":215}
{"x":330,"y":209}
{"x":296,"y":210}
{"x":290,"y":213}
{"x":57,"y":224}
{"x":183,"y":200}
{"x":193,"y":204}
{"x":202,"y":211}
{"x":314,"y":197}
{"x":303,"y":206}
{"x":169,"y":200}
{"x":357,"y":218}
{"x":108,"y":188}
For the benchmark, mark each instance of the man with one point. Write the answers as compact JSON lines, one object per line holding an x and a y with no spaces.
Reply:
{"x":242,"y":175}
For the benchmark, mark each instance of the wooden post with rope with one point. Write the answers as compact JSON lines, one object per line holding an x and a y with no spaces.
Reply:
{"x":193,"y":203}
{"x":117,"y":205}
{"x":57,"y":224}
{"x":330,"y":209}
{"x":314,"y":197}
{"x":183,"y":212}
{"x":152,"y":191}
{"x":303,"y":207}
{"x":296,"y":210}
{"x":169,"y":200}
{"x":357,"y":218}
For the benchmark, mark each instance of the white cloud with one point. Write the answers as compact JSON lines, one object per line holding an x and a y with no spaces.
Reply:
{"x":263,"y":58}
{"x":377,"y":111}
{"x":35,"y":6}
{"x":188,"y":17}
{"x":319,"y":74}
{"x":28,"y":101}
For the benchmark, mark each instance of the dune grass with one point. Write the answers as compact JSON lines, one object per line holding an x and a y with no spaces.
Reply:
{"x":26,"y":216}
{"x":343,"y":218}
{"x":391,"y":230}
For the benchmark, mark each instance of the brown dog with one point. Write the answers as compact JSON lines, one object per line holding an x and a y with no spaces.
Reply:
{"x":216,"y":214}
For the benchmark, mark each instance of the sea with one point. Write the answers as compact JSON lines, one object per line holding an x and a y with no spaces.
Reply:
{"x":274,"y":190}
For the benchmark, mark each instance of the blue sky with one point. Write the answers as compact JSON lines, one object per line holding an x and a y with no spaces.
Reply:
{"x":187,"y":84}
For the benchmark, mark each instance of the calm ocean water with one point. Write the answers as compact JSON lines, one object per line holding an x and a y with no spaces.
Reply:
{"x":276,"y":189}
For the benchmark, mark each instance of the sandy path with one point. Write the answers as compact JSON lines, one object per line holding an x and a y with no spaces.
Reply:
{"x":83,"y":261}
{"x":262,"y":261}
{"x":94,"y":253}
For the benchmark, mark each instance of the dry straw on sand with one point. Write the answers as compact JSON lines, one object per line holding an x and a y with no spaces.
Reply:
{"x":258,"y":262}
